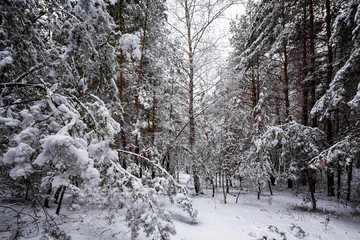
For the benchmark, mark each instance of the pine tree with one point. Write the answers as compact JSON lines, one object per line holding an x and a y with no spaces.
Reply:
{"x":59,"y":101}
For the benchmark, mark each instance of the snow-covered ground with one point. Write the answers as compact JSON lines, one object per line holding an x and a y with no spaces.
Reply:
{"x":275,"y":217}
{"x":282,"y":216}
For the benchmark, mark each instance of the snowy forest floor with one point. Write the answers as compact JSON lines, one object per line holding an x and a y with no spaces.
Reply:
{"x":282,"y":216}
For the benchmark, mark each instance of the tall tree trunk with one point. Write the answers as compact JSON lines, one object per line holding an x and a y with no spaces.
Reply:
{"x":312,"y":61}
{"x":286,"y":77}
{"x":227,"y":185}
{"x":305,"y":116}
{"x":213,"y":186}
{"x":329,"y":47}
{"x":171,"y":167}
{"x":350,"y":172}
{"x":339,"y":167}
{"x":191,"y":98}
{"x":305,"y":91}
{"x":270,"y":189}
{"x":338,"y":194}
{"x":171,"y":102}
{"x":27,"y":190}
{"x":311,"y":184}
{"x":121,"y":84}
{"x":216,"y":180}
{"x":257,"y":80}
{"x":331,"y":183}
{"x":290,"y":183}
{"x":259,"y":191}
{"x":253,"y":89}
{"x":286,"y":80}
{"x":137,"y":93}
{"x":153,"y":129}
{"x":223,"y":186}
{"x":237,"y":197}
{"x":309,"y":173}
{"x":328,"y":121}
{"x":277,"y":111}
{"x":47,"y":198}
{"x":60,"y":200}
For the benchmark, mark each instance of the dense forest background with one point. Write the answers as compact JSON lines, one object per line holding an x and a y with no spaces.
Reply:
{"x":108,"y":101}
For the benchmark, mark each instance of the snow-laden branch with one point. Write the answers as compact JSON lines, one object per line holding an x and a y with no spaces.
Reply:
{"x":11,"y":85}
{"x":31,"y":70}
{"x":337,"y":145}
{"x":155,"y":165}
{"x":184,"y":202}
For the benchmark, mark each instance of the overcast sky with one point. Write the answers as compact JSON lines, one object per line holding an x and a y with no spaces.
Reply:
{"x":224,"y":23}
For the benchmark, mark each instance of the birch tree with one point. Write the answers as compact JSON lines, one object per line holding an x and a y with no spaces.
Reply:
{"x":192,"y":21}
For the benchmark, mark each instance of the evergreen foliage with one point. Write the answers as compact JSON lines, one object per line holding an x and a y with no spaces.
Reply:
{"x":109,"y":100}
